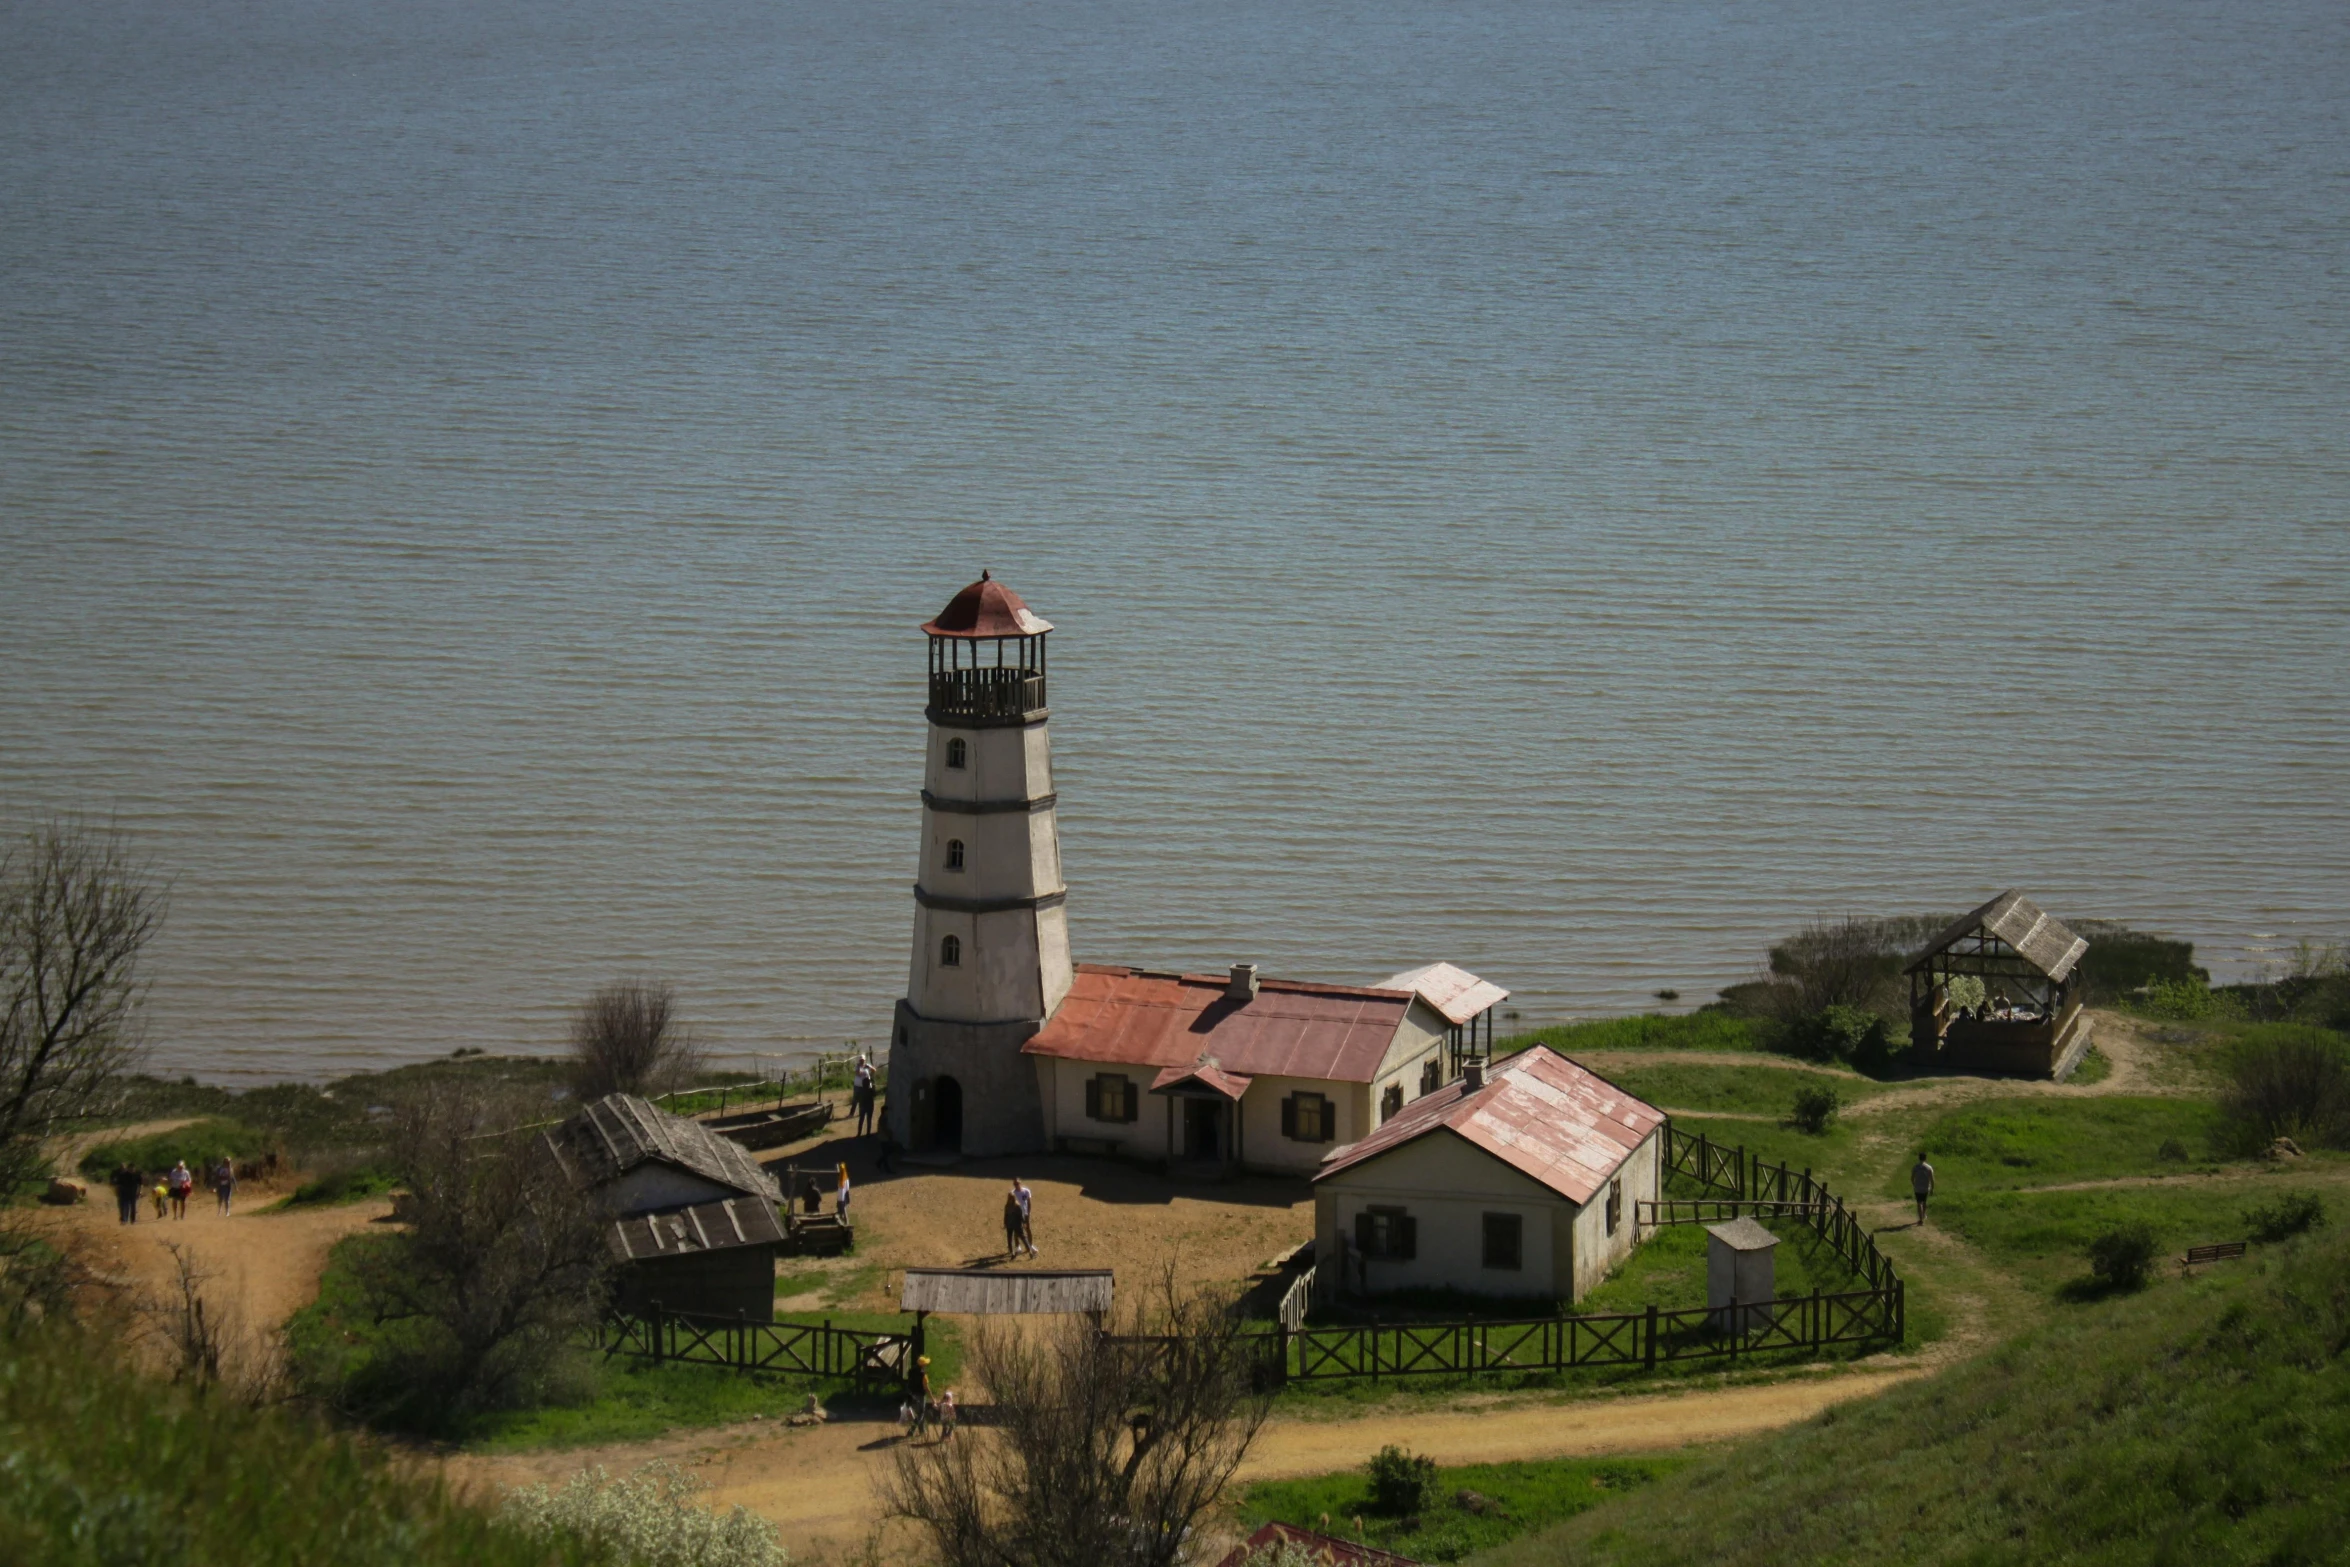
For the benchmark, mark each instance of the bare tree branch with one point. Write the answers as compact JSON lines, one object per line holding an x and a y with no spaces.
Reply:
{"x":627,"y":1040}
{"x":1104,"y":1451}
{"x":76,"y":912}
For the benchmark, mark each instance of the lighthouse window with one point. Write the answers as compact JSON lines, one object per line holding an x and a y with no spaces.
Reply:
{"x":954,"y":854}
{"x":957,"y":753}
{"x":950,"y":952}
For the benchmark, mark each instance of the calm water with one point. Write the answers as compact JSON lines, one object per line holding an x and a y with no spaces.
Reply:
{"x":1574,"y":489}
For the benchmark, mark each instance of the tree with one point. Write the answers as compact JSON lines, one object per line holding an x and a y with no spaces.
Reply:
{"x":501,"y":1267}
{"x":76,"y":911}
{"x":627,"y":1040}
{"x":1104,"y":1451}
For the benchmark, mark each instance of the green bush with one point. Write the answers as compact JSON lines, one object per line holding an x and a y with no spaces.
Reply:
{"x":1840,"y":1033}
{"x":2172,"y":1151}
{"x":199,"y":1142}
{"x":652,"y":1517}
{"x":2183,"y":1000}
{"x":2293,"y":1213}
{"x":1401,"y":1481}
{"x":103,"y":1467}
{"x":2123,"y":1256}
{"x":352,"y":1183}
{"x":1815,"y":1109}
{"x":2288,"y":1081}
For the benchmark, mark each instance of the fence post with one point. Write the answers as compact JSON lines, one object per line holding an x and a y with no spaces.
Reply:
{"x":742,"y":1339}
{"x":1900,"y":1311}
{"x":1648,"y":1339}
{"x":1817,"y":1331}
{"x":660,"y":1339}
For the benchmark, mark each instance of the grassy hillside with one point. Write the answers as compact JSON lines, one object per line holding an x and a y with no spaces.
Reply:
{"x":101,"y":1466}
{"x":2204,"y":1422}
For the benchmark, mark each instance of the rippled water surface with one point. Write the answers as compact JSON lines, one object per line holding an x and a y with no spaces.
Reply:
{"x":1574,"y":489}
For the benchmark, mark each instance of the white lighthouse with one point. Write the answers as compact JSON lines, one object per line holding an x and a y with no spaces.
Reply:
{"x":991,"y":936}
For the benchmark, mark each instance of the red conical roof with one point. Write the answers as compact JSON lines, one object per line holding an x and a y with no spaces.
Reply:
{"x":987,"y":609}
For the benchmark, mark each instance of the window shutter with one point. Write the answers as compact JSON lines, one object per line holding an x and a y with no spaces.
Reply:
{"x":1407,"y":1236}
{"x":1093,"y":1099}
{"x":1289,"y":1130}
{"x":1129,"y":1103}
{"x":1366,"y":1235}
{"x":1329,"y":1118}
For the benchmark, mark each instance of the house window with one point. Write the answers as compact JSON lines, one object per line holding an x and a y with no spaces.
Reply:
{"x":950,"y":952}
{"x":1431,"y":1077}
{"x":1110,"y":1096}
{"x":1390,"y":1100}
{"x":1505,"y":1241}
{"x":954,"y":854}
{"x":1388,"y":1233}
{"x":1615,"y":1205}
{"x":1308,"y":1118}
{"x":957,"y":754}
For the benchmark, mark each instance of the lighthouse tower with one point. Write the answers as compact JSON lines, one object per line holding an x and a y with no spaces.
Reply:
{"x":991,"y":938}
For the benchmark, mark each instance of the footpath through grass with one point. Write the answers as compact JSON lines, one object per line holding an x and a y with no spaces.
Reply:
{"x":2198,"y":1422}
{"x":1470,"y":1508}
{"x":1736,"y":1089}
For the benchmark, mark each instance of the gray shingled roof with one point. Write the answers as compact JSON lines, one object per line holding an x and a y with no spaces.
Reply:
{"x":620,"y":1131}
{"x":706,"y":1226}
{"x":1009,"y":1291}
{"x":2038,"y":939}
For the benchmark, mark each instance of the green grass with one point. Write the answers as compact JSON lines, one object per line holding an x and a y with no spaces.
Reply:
{"x":1994,"y":1144}
{"x":1650,"y":1031}
{"x":2042,"y":1237}
{"x":355,"y":1184}
{"x":1519,"y":1497}
{"x":1668,"y":1271}
{"x":592,"y":1399}
{"x":201,"y":1143}
{"x":2200,"y":1422}
{"x":1738,"y":1089}
{"x":2095,"y":1067}
{"x":100,"y":1466}
{"x":1833,"y":1155}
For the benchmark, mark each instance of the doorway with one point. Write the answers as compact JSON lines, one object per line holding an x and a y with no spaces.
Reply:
{"x":1203,"y":1129}
{"x":946,"y":1114}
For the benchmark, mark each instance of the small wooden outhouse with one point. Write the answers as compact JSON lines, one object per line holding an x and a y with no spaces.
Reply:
{"x":1739,"y":1272}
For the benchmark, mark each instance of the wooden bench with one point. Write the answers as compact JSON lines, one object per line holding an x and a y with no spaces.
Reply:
{"x":2197,"y":1256}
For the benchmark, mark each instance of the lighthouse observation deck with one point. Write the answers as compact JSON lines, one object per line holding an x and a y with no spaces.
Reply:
{"x":1004,"y":693}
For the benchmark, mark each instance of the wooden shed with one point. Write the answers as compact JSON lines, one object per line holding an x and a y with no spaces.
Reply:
{"x":1999,"y":992}
{"x":713,"y":1259}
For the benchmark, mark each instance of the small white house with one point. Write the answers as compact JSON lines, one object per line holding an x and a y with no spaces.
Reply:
{"x":1237,"y":1071}
{"x":1517,"y":1183}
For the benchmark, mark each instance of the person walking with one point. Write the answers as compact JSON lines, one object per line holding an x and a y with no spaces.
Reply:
{"x":1921,"y":1183}
{"x":224,"y":1183}
{"x":1012,"y":1223}
{"x":127,"y":1182}
{"x":162,"y":1198}
{"x":919,"y":1387}
{"x":1027,"y":1201}
{"x":862,"y":1096}
{"x":840,"y":1197}
{"x":946,"y":1414}
{"x":183,"y":1184}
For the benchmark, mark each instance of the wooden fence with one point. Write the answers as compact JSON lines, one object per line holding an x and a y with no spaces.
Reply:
{"x":1750,"y":1186}
{"x":858,"y":1355}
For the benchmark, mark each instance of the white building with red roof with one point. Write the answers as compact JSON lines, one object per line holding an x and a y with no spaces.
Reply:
{"x":1520,"y":1183}
{"x":1265,"y":1074}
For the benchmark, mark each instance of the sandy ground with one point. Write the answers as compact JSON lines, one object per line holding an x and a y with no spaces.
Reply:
{"x":260,"y":1265}
{"x":818,"y":1484}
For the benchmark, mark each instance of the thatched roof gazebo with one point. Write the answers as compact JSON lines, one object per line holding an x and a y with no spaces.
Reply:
{"x":1999,"y":992}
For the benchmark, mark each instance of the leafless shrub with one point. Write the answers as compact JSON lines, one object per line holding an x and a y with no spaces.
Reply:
{"x":501,"y":1265}
{"x":1102,"y":1451}
{"x":194,"y":1334}
{"x":627,"y":1040}
{"x":76,"y":911}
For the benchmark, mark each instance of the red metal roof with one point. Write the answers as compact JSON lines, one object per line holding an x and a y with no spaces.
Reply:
{"x":987,"y":609}
{"x":1208,"y":1075}
{"x":1288,"y":1029}
{"x":1539,"y":1113}
{"x":1455,"y":992}
{"x":1325,"y":1548}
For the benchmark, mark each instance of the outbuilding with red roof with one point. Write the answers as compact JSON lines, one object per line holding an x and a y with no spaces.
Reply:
{"x":1515,"y":1183}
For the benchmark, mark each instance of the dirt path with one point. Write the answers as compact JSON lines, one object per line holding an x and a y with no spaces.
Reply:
{"x":263,"y":1265}
{"x":817,"y":1484}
